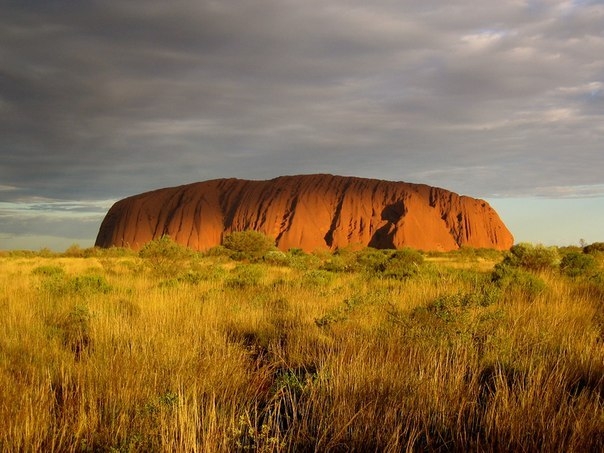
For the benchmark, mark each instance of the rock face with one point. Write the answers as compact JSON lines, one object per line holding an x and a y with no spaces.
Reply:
{"x":308,"y":212}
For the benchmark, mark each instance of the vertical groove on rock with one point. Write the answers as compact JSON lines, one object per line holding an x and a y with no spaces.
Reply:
{"x":329,"y":236}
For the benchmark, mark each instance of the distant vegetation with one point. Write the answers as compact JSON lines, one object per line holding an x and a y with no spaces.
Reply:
{"x":248,"y":348}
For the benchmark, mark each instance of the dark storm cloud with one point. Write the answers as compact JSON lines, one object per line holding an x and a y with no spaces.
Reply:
{"x":105,"y":99}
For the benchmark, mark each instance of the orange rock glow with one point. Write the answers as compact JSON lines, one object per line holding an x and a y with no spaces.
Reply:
{"x":308,"y":212}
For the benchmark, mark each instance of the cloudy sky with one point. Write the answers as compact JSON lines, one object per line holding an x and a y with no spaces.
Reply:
{"x":104,"y":99}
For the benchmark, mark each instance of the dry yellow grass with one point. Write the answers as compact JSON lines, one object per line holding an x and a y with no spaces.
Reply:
{"x":103,"y":354}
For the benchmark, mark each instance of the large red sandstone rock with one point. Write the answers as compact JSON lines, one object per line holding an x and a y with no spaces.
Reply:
{"x":308,"y":212}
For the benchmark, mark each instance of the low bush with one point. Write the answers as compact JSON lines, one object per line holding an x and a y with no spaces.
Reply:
{"x":89,"y":284}
{"x":303,"y":261}
{"x":245,"y":275}
{"x":403,"y":263}
{"x":317,"y":277}
{"x":277,"y":258}
{"x":372,"y":260}
{"x":339,"y":263}
{"x":74,"y":251}
{"x":48,"y":271}
{"x":596,"y":247}
{"x":165,"y":257}
{"x":111,"y":252}
{"x":83,"y":285}
{"x":388,"y":263}
{"x":576,"y":264}
{"x":248,"y":244}
{"x":450,"y":306}
{"x":45,"y":252}
{"x":21,"y":253}
{"x":532,"y":257}
{"x":74,"y":329}
{"x":515,"y":279}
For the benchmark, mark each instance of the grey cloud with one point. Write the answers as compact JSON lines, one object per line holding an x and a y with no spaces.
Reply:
{"x":27,"y":222}
{"x":105,"y":99}
{"x":83,"y":230}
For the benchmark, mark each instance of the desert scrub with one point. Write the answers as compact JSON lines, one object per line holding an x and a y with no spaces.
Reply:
{"x":276,"y":258}
{"x":339,"y":263}
{"x":73,"y":329}
{"x":520,"y":270}
{"x":165,"y":258}
{"x":49,"y":271}
{"x":317,"y":277}
{"x":474,"y":254}
{"x":576,"y":264}
{"x":403,"y":264}
{"x":449,"y":306}
{"x":363,"y":308}
{"x":371,"y":260}
{"x":248,"y":244}
{"x":596,"y":247}
{"x":518,"y":281}
{"x":245,"y":275}
{"x":303,"y":261}
{"x":532,"y":257}
{"x":61,"y":285}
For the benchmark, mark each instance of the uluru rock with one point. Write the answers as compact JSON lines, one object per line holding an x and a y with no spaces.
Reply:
{"x":308,"y":212}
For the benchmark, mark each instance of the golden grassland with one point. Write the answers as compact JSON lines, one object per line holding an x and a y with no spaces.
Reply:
{"x":114,"y":352}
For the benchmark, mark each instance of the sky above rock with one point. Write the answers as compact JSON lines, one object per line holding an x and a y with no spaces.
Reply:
{"x":104,"y":99}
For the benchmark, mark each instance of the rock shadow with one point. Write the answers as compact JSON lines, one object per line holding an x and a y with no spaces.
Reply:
{"x":383,"y":238}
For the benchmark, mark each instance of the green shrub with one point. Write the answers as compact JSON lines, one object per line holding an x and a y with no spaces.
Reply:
{"x":89,"y":284}
{"x":245,"y":275}
{"x":338,"y":263}
{"x":165,"y":257}
{"x":248,"y":244}
{"x":532,"y":257}
{"x":389,"y":263}
{"x":304,"y":261}
{"x":566,"y":249}
{"x":317,"y":277}
{"x":594,"y":248}
{"x":90,"y":252}
{"x":169,"y":283}
{"x":597,"y":251}
{"x":74,"y":329}
{"x":192,"y":277}
{"x":205,"y":273}
{"x":464,"y":253}
{"x":446,"y":307}
{"x":71,"y":327}
{"x":372,"y":260}
{"x":219,"y":251}
{"x":276,"y":258}
{"x":21,"y":253}
{"x":510,"y":278}
{"x":403,"y":263}
{"x":111,"y":252}
{"x":74,"y":251}
{"x":449,"y":307}
{"x":48,"y":271}
{"x":83,"y":285}
{"x":337,"y":314}
{"x":45,"y":252}
{"x":578,"y":264}
{"x":488,"y":254}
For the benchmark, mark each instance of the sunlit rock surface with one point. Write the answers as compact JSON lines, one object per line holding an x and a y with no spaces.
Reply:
{"x":308,"y":212}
